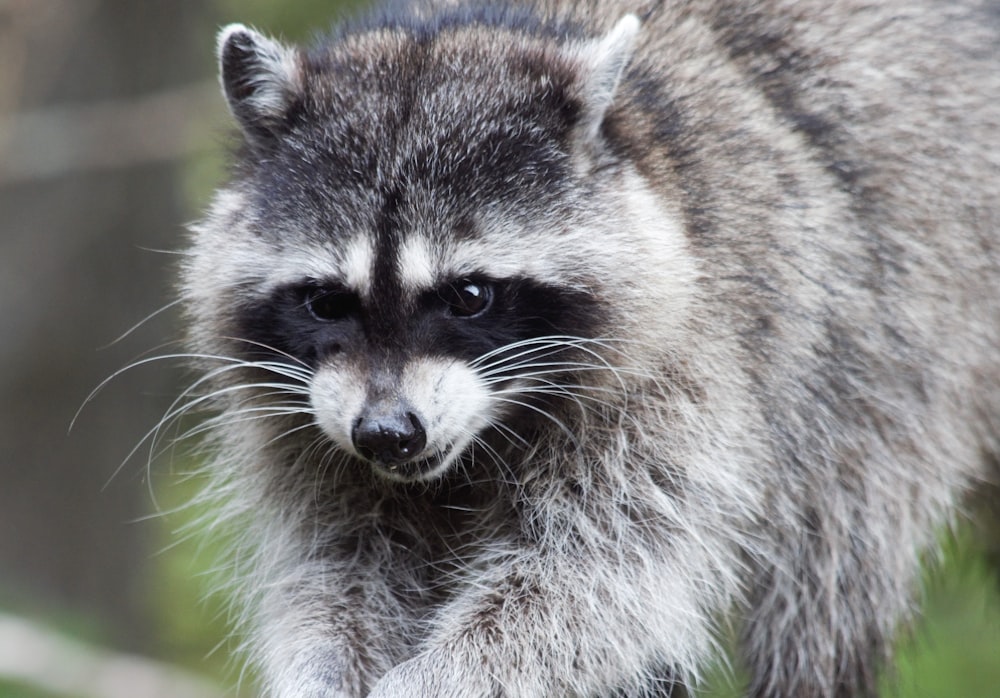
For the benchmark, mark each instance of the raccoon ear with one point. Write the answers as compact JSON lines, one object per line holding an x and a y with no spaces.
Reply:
{"x":260,"y":78}
{"x":604,"y":62}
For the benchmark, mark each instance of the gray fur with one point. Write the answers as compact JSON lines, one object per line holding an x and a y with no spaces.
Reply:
{"x":781,"y":222}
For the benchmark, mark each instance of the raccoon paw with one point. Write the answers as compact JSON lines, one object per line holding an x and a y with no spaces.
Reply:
{"x":434,"y":674}
{"x":320,"y":678}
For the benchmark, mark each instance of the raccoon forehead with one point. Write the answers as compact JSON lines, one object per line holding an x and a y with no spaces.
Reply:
{"x":239,"y":246}
{"x":424,"y":262}
{"x":418,"y":264}
{"x":236,"y":247}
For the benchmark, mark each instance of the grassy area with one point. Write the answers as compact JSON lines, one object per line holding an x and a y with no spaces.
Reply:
{"x":955,"y":651}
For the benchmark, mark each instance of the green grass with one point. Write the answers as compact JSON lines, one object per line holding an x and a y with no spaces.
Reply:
{"x":954,"y":652}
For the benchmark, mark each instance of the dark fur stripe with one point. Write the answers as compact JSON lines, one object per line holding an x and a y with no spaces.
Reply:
{"x":390,"y":325}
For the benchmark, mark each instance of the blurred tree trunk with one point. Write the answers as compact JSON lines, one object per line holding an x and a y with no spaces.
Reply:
{"x":93,"y":97}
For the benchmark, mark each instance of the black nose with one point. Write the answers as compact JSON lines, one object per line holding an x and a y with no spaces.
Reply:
{"x":389,"y":439}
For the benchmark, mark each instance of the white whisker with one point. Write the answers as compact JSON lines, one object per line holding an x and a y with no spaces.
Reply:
{"x":548,"y":415}
{"x":159,"y":311}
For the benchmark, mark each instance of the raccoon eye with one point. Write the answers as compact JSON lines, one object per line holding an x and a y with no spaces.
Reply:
{"x":328,"y":305}
{"x":467,"y":298}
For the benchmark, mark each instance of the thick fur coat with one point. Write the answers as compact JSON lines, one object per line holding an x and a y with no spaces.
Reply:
{"x":547,"y":338}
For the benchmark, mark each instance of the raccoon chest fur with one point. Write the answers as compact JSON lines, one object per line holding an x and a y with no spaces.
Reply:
{"x":548,"y":338}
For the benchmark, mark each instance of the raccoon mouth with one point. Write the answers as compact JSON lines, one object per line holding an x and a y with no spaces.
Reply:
{"x":409,"y":471}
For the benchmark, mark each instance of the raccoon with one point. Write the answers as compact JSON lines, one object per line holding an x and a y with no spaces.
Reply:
{"x":549,"y":340}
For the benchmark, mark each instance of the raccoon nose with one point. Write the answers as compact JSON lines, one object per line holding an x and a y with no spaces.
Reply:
{"x":389,"y":439}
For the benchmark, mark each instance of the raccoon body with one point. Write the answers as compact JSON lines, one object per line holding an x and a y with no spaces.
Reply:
{"x":548,"y":338}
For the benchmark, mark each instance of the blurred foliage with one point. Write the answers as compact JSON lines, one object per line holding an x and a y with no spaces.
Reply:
{"x":298,"y":22}
{"x":192,"y":617}
{"x":16,"y":690}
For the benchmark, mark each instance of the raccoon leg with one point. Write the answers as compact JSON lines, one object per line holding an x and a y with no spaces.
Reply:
{"x":553,"y":625}
{"x":821,"y":620}
{"x":326,"y":636}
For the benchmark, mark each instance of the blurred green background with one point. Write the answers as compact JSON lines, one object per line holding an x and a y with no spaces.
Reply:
{"x":112,"y":135}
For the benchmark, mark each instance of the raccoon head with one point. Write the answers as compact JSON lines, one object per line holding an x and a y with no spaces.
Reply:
{"x":426,"y":233}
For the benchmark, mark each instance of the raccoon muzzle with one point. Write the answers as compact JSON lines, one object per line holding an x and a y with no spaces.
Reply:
{"x":389,"y":439}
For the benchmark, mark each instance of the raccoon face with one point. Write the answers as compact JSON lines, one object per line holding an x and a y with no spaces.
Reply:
{"x":425,"y":257}
{"x":406,"y":376}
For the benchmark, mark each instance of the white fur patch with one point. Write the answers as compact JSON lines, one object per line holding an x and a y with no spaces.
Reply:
{"x":417,"y":265}
{"x":338,"y":394}
{"x":453,"y":402}
{"x":659,"y":247}
{"x":357,"y":263}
